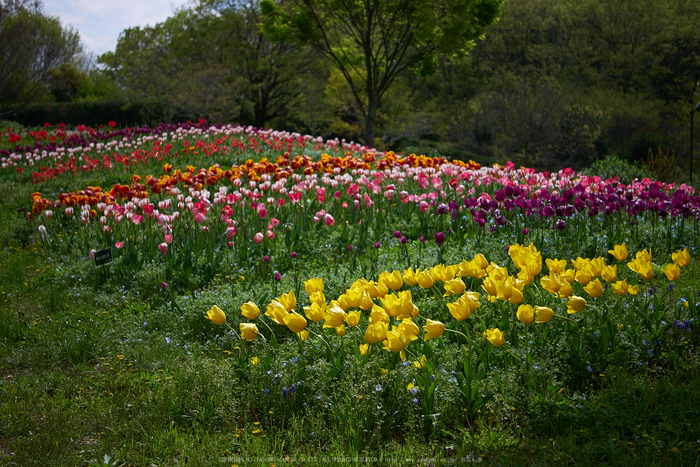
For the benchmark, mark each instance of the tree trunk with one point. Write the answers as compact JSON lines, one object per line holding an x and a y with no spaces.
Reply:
{"x":372,"y":105}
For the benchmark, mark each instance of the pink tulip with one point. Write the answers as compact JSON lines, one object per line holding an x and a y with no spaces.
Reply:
{"x":270,"y":234}
{"x":168,"y":239}
{"x":328,"y":219}
{"x":199,"y":217}
{"x":258,"y":238}
{"x":92,"y":254}
{"x":262,"y":213}
{"x":119,"y":244}
{"x":274,"y":222}
{"x":163,"y":247}
{"x":69,"y":212}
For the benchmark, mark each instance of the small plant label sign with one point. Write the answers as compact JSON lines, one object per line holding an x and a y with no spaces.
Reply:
{"x":103,"y":257}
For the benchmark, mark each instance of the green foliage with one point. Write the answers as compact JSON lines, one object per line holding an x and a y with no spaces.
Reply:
{"x":31,"y":45}
{"x":613,"y":166}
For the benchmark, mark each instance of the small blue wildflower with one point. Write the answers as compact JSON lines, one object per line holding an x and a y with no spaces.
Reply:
{"x":415,"y":401}
{"x":378,"y":388}
{"x":267,"y":391}
{"x":414,"y":391}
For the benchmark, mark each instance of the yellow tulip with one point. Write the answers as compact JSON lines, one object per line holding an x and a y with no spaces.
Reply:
{"x":250,"y":310}
{"x":392,"y":280}
{"x":289,"y":300}
{"x":433,"y":329}
{"x":597,"y":265}
{"x":365,"y":349}
{"x":494,"y":336}
{"x":340,"y":330}
{"x":366,"y":301}
{"x":303,"y":335}
{"x":248,"y":331}
{"x":315,"y":311}
{"x":313,"y":285}
{"x":376,"y":290}
{"x":409,"y":277}
{"x":409,"y":328}
{"x":465,"y":306}
{"x":550,"y":283}
{"x":472,"y":269}
{"x":620,"y":287}
{"x":633,"y":289}
{"x":334,"y":316}
{"x":353,"y":318}
{"x":569,"y":275}
{"x":681,"y":257}
{"x":418,"y":364}
{"x":594,"y":288}
{"x":584,"y":275}
{"x":644,"y":256}
{"x":565,"y":290}
{"x":276,"y":311}
{"x":481,"y":260}
{"x":525,"y":314}
{"x":672,"y":271}
{"x":575,"y":304}
{"x":544,"y":314}
{"x":579,"y":263}
{"x":489,"y":285}
{"x":255,"y":360}
{"x":425,"y":279}
{"x":318,"y":297}
{"x":556,"y":266}
{"x":216,"y":315}
{"x":454,"y":287}
{"x":609,"y":273}
{"x":395,"y":340}
{"x":619,"y":252}
{"x":378,"y":314}
{"x":376,"y":332}
{"x":295,"y":322}
{"x":643,"y":268}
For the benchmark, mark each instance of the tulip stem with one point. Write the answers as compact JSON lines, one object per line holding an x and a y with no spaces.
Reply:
{"x":457,"y":332}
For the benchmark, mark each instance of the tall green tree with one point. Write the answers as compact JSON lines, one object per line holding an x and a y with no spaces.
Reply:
{"x":31,"y":45}
{"x":372,"y":42}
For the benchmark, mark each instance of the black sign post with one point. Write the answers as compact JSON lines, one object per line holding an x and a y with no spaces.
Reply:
{"x":102,"y":258}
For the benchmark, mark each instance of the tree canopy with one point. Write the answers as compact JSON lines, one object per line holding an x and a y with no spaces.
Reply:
{"x":31,"y":45}
{"x":372,"y":42}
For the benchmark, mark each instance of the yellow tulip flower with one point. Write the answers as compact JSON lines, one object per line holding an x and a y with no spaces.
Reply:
{"x":392,"y":280}
{"x":409,"y":328}
{"x":250,"y":310}
{"x":313,"y":285}
{"x":594,"y":288}
{"x":672,"y":271}
{"x":609,"y":273}
{"x":425,"y":279}
{"x":378,"y":314}
{"x":556,"y":266}
{"x":575,"y":304}
{"x":289,"y":300}
{"x":433,"y":329}
{"x":334,"y":316}
{"x":255,"y":360}
{"x":295,"y":322}
{"x":643,"y":268}
{"x":681,"y":257}
{"x":525,"y":314}
{"x":303,"y":335}
{"x":340,"y":330}
{"x":619,"y":252}
{"x":454,"y":287}
{"x":544,"y":314}
{"x":353,"y":318}
{"x":365,"y":349}
{"x":494,"y":336}
{"x":409,"y":277}
{"x":248,"y":331}
{"x":633,"y":289}
{"x":216,"y":316}
{"x":619,"y":287}
{"x":376,"y":332}
{"x":315,"y":311}
{"x":376,"y":290}
{"x":318,"y":297}
{"x":276,"y":311}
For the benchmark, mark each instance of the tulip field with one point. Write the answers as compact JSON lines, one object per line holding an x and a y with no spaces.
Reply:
{"x":222,"y":295}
